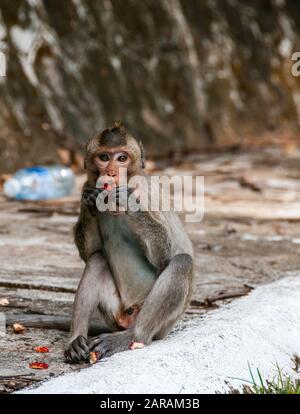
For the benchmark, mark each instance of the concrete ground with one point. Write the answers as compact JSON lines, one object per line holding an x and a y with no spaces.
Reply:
{"x":250,"y":236}
{"x":206,"y":355}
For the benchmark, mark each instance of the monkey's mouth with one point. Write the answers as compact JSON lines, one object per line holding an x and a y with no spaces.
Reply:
{"x":106,"y":183}
{"x":107,"y":186}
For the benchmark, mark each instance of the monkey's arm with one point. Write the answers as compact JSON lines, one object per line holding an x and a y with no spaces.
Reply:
{"x":86,"y":233}
{"x":154,"y":237}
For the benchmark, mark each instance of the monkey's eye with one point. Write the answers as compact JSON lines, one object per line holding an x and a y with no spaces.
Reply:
{"x":104,"y":157}
{"x":129,"y":311}
{"x":122,"y":158}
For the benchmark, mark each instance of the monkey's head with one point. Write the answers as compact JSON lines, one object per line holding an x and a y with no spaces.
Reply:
{"x":112,"y":150}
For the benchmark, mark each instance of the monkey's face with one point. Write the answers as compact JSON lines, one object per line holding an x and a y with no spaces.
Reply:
{"x":111,"y":153}
{"x":112,"y":164}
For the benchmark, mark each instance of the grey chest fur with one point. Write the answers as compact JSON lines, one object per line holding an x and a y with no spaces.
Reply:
{"x":132,"y":271}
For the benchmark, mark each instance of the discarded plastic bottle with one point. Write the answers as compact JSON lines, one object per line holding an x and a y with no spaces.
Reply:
{"x":40,"y":183}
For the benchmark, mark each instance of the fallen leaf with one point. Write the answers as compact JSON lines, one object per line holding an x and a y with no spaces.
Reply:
{"x":41,"y":349}
{"x":4,"y":302}
{"x":18,"y":328}
{"x":94,"y":356}
{"x":38,"y":365}
{"x":136,"y":345}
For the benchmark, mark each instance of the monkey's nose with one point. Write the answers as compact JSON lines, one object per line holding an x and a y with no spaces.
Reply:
{"x":111,"y":174}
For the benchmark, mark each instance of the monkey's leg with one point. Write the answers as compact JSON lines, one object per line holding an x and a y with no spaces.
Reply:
{"x":164,"y":305}
{"x":96,"y":289}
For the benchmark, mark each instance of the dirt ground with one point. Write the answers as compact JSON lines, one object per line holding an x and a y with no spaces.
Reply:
{"x":250,"y":235}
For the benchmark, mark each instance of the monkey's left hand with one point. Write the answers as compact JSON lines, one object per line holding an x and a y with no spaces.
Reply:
{"x":125,"y":197}
{"x":108,"y":344}
{"x":89,"y":196}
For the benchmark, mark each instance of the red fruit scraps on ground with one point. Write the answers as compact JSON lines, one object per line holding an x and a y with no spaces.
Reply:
{"x":41,"y":349}
{"x":38,"y":365}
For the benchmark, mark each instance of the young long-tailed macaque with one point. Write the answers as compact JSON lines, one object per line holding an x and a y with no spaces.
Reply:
{"x":138,"y":275}
{"x":139,"y":267}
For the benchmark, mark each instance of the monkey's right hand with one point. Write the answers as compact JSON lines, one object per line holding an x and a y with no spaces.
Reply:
{"x":77,"y":351}
{"x":89,"y":197}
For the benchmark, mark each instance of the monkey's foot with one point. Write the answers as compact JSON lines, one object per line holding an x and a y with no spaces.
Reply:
{"x":108,"y":344}
{"x":78,"y":351}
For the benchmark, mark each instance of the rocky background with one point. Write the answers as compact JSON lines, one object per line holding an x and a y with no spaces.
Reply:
{"x":182,"y":74}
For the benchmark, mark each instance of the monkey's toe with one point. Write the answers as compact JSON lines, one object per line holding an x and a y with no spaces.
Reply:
{"x":77,"y":351}
{"x":109,"y":344}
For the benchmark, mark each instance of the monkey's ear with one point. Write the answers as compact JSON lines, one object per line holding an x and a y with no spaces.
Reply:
{"x":142,"y":155}
{"x":119,"y":125}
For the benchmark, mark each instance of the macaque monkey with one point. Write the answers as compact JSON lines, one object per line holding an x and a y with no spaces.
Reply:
{"x":139,"y":268}
{"x":138,"y":272}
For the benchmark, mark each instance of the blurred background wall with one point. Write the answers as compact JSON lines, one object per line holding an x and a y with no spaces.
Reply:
{"x":181,"y":74}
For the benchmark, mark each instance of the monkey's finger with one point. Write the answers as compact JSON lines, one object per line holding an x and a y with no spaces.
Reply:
{"x":121,"y":196}
{"x":107,"y":346}
{"x":91,"y":192}
{"x":87,"y":195}
{"x":121,"y":188}
{"x":71,"y":356}
{"x":78,"y":350}
{"x":96,"y":341}
{"x":93,"y":189}
{"x":101,"y":350}
{"x":81,"y":348}
{"x":124,"y":189}
{"x":89,"y":200}
{"x":83,"y":343}
{"x":93,"y":342}
{"x":101,"y":344}
{"x":81,"y":354}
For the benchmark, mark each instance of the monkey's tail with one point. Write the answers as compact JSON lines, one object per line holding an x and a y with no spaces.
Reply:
{"x":59,"y":322}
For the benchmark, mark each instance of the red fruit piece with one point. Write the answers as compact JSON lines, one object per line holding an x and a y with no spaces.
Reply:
{"x":94,"y":356}
{"x":38,"y":365}
{"x":136,"y":345}
{"x":107,"y":187}
{"x":41,"y":349}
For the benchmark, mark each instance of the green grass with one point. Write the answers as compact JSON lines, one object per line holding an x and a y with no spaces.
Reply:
{"x":280,"y":384}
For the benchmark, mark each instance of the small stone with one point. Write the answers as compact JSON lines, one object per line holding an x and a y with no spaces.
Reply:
{"x":18,"y":328}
